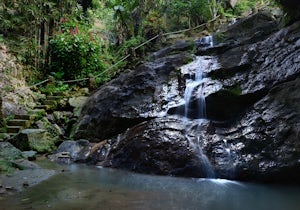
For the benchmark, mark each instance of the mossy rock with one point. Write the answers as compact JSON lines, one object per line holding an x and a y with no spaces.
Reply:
{"x":34,"y":139}
{"x":9,"y":152}
{"x":52,"y":129}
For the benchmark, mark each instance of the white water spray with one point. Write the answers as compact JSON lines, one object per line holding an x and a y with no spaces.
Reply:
{"x":195,"y":108}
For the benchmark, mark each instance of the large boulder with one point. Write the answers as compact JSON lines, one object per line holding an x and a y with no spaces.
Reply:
{"x":72,"y":151}
{"x":34,"y":139}
{"x":129,"y":99}
{"x":253,"y":28}
{"x":159,"y":146}
{"x":262,"y":146}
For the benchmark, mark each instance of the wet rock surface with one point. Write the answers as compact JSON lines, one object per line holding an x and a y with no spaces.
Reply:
{"x":72,"y":151}
{"x":129,"y":99}
{"x":272,"y":136}
{"x":158,"y":146}
{"x":252,"y":101}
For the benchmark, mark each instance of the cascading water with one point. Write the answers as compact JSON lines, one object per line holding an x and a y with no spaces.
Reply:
{"x":206,"y":41}
{"x":192,"y":86}
{"x":194,"y":134}
{"x":195,"y":107}
{"x":197,"y":86}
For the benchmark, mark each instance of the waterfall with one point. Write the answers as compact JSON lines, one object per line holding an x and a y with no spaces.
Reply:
{"x":229,"y":158}
{"x":192,"y":86}
{"x":195,"y":108}
{"x":206,"y":41}
{"x":195,"y":89}
{"x":194,"y":137}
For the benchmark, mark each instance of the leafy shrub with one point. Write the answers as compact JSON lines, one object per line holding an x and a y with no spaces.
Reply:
{"x":152,"y":25}
{"x":131,"y":43}
{"x":75,"y":55}
{"x":54,"y":88}
{"x":244,"y":5}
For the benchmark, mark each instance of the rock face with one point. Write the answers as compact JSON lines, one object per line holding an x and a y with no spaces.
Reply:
{"x":252,"y":104}
{"x":292,"y":7}
{"x":13,"y":87}
{"x":129,"y":99}
{"x":270,"y":136}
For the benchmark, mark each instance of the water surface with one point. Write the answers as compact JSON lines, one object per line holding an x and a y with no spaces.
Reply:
{"x":83,"y":187}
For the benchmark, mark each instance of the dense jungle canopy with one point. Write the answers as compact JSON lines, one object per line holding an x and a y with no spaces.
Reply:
{"x":76,"y":39}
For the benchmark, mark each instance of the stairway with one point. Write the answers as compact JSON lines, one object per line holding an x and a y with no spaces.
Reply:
{"x":18,"y":123}
{"x":52,"y":102}
{"x":24,"y":121}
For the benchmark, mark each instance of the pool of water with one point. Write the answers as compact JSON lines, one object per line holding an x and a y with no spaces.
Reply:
{"x":90,"y":188}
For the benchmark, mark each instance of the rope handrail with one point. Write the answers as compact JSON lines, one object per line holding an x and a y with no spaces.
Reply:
{"x":31,"y":86}
{"x":128,"y":55}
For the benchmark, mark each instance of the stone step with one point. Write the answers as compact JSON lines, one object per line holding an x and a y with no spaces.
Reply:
{"x":18,"y":122}
{"x":50,"y":102}
{"x":14,"y":129}
{"x":59,"y":94}
{"x":54,"y":98}
{"x":24,"y":117}
{"x":4,"y":136}
{"x":37,"y":112}
{"x":11,"y":134}
{"x":45,"y":107}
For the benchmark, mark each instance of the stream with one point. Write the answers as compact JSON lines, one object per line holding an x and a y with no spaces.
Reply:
{"x":88,"y":187}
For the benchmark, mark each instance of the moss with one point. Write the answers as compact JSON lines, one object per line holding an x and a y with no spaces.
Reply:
{"x":220,"y":37}
{"x":42,"y":143}
{"x":6,"y":167}
{"x":236,"y":90}
{"x":73,"y":130}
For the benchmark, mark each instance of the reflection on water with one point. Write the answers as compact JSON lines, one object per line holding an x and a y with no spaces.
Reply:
{"x":89,"y":188}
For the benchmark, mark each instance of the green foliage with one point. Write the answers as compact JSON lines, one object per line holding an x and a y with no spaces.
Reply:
{"x":55,"y":88}
{"x":75,"y":54}
{"x":152,"y":25}
{"x":26,"y":27}
{"x":6,"y":167}
{"x":244,"y":5}
{"x":129,"y":44}
{"x":236,"y":90}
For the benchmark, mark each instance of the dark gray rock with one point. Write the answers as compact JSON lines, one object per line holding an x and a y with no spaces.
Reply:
{"x":251,"y":29}
{"x":129,"y":99}
{"x":72,"y":151}
{"x":292,"y":7}
{"x":248,"y":72}
{"x":178,"y":47}
{"x":265,"y":143}
{"x":30,"y":155}
{"x":159,"y":146}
